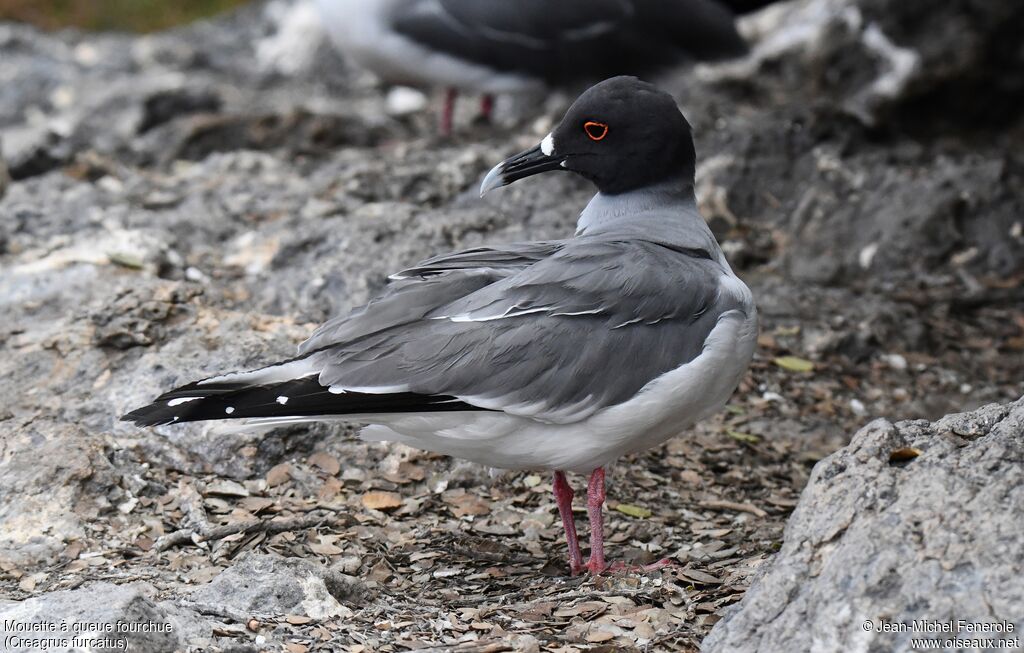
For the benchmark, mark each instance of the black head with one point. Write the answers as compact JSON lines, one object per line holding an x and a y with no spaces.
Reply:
{"x":621,"y":134}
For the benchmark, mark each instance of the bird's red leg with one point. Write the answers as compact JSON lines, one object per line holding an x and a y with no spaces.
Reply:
{"x":563,"y":497}
{"x":486,"y":107}
{"x":448,"y":111}
{"x":595,"y":505}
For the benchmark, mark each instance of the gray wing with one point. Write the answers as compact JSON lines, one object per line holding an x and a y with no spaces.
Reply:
{"x":522,"y":35}
{"x":541,"y":342}
{"x":499,"y":261}
{"x":419,"y":290}
{"x":569,"y":40}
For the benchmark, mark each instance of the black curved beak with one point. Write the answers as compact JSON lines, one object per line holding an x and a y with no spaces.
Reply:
{"x":524,"y":164}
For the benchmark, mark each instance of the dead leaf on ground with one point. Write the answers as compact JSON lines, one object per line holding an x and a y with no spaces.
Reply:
{"x":742,"y":437}
{"x":598,"y":636}
{"x":794,"y":364}
{"x":326,"y":462}
{"x":324,"y":547}
{"x":633,"y":511}
{"x":700,"y":577}
{"x":226,"y":487}
{"x":279,"y":474}
{"x":382,"y":500}
{"x":407,"y":472}
{"x":463,"y":503}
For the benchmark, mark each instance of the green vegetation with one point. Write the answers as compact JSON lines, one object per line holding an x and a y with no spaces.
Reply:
{"x":130,"y":15}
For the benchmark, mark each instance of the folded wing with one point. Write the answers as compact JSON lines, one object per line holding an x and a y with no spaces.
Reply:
{"x":538,"y":343}
{"x":530,"y":330}
{"x":572,"y":40}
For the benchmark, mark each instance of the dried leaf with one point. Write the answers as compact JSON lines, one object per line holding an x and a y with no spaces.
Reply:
{"x":331,"y":488}
{"x":256,"y":505}
{"x":463,"y":503}
{"x":226,"y":487}
{"x":716,"y":504}
{"x":700,"y":577}
{"x":633,"y":511}
{"x":407,"y":472}
{"x":794,"y":364}
{"x":690,"y":477}
{"x":382,"y":500}
{"x":644,"y":631}
{"x":742,"y":437}
{"x":298,"y":619}
{"x":600,"y":636}
{"x":326,"y":462}
{"x":324,"y":548}
{"x":72,"y":550}
{"x":125,"y":260}
{"x":279,"y":474}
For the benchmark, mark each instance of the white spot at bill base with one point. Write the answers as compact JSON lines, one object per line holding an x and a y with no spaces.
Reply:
{"x":282,"y":400}
{"x":547,"y":146}
{"x":229,"y":410}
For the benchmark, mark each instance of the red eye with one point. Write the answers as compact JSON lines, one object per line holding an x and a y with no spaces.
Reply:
{"x":595,"y":130}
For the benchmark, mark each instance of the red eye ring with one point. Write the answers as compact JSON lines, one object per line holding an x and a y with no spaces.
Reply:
{"x":596,"y":131}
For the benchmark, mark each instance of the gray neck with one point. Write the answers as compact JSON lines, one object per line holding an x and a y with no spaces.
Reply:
{"x":664,"y":213}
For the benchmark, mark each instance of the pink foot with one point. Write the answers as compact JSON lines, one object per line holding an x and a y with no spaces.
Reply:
{"x":595,"y":503}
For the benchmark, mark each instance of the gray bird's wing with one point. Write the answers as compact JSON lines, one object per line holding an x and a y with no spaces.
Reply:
{"x":432,"y":283}
{"x":570,"y":40}
{"x":539,"y":342}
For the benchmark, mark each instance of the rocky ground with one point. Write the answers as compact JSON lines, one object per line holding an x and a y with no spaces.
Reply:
{"x":198,"y":200}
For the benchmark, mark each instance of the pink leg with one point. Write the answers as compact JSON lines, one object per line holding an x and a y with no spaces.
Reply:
{"x":486,"y":107}
{"x":448,"y":112}
{"x":563,"y":497}
{"x":595,"y":504}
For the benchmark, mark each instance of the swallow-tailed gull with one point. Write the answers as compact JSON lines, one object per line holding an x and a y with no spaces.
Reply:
{"x":559,"y":355}
{"x":498,"y":46}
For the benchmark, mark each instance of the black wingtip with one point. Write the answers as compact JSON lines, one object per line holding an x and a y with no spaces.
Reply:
{"x":152,"y":415}
{"x":300,"y":398}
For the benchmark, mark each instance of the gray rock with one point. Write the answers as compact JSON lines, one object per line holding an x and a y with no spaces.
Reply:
{"x":5,"y":177}
{"x":911,"y":521}
{"x":268,"y":585}
{"x":123,"y":617}
{"x":50,"y":502}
